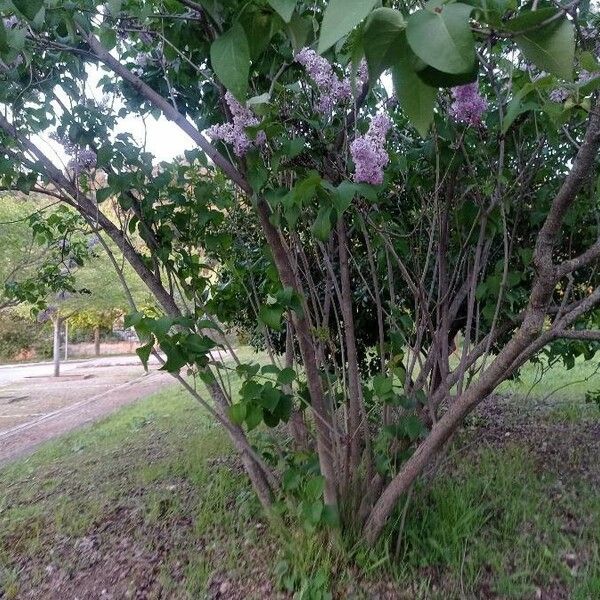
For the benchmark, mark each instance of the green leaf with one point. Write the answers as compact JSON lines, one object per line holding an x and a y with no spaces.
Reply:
{"x":286,"y":376}
{"x":529,"y":19}
{"x":435,"y":78}
{"x":382,"y":385}
{"x":284,"y":8}
{"x":271,"y":316}
{"x":298,"y":31}
{"x":198,"y":345}
{"x":270,"y":419}
{"x":269,"y":397}
{"x":330,"y":516}
{"x":237,"y":413}
{"x":416,"y":98}
{"x":341,"y":17}
{"x":442,"y":38}
{"x":515,"y":107}
{"x":314,"y":487}
{"x":144,"y":353}
{"x":108,"y":38}
{"x":291,"y":479}
{"x":412,"y":426}
{"x":591,"y":85}
{"x":381,"y":36}
{"x":254,"y":416}
{"x":175,"y":358}
{"x":3,"y":39}
{"x":246,"y":370}
{"x":311,"y":511}
{"x":114,"y":6}
{"x":343,"y":195}
{"x":16,"y":39}
{"x":230,"y":60}
{"x":294,"y":147}
{"x":551,"y":48}
{"x":270,"y":370}
{"x":133,"y":319}
{"x":321,"y":228}
{"x":103,"y":194}
{"x":284,"y":408}
{"x":28,"y":8}
{"x":260,"y":27}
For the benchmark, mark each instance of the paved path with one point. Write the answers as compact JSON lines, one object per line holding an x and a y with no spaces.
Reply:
{"x":36,"y":407}
{"x":14,"y":373}
{"x":21,"y":440}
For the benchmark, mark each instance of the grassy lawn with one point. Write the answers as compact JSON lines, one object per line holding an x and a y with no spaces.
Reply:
{"x":151,"y":503}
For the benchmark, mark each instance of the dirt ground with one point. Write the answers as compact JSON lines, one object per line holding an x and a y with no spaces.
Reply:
{"x":35,"y":407}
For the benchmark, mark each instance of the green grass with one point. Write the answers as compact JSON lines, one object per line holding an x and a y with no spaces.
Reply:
{"x":556,"y":383}
{"x":495,"y":521}
{"x":162,"y":476}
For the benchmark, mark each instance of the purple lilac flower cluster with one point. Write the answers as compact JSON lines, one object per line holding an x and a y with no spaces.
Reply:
{"x":46,"y":314}
{"x":235,"y":133}
{"x":81,"y":160}
{"x":10,"y":22}
{"x":332,"y":89}
{"x":84,"y":160}
{"x":560,"y":94}
{"x":368,"y":151}
{"x":468,"y":105}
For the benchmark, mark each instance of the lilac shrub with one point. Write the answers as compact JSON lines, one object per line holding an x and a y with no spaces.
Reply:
{"x":468,"y":105}
{"x":368,"y":151}
{"x":235,"y":133}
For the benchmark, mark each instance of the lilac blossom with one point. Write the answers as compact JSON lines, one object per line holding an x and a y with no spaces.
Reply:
{"x":146,"y":37}
{"x":368,"y":151}
{"x":363,"y":72}
{"x":84,"y":160}
{"x":143,"y":59}
{"x":234,"y":133}
{"x":469,"y":105}
{"x":332,"y":89}
{"x":559,"y":95}
{"x":585,"y":76}
{"x":46,"y":314}
{"x":69,"y":147}
{"x":10,"y":22}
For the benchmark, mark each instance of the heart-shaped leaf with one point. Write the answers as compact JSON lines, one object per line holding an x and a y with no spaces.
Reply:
{"x":442,"y":38}
{"x":284,"y":8}
{"x":230,"y":60}
{"x":382,"y":32}
{"x":341,"y":17}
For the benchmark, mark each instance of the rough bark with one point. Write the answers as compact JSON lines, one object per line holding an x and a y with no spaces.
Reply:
{"x":354,"y":408}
